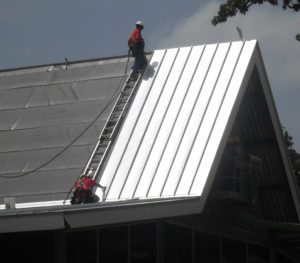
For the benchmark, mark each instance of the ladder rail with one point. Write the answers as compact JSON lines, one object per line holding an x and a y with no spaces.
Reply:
{"x":115,"y":126}
{"x":91,"y":157}
{"x":101,"y":160}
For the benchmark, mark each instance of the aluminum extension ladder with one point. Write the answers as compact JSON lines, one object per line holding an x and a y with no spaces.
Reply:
{"x":111,"y":127}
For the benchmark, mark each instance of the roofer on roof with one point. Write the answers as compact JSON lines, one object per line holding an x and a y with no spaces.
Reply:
{"x":83,"y":190}
{"x":136,"y":46}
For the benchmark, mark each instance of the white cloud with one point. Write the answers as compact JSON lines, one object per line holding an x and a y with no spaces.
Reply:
{"x":275,"y":30}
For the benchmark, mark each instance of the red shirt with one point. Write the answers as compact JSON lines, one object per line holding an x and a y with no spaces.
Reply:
{"x":87,"y":184}
{"x":136,"y":37}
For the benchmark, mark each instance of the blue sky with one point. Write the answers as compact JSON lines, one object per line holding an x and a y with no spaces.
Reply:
{"x":35,"y":32}
{"x":38,"y":32}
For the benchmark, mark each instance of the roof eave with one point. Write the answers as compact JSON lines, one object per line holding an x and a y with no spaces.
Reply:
{"x":98,"y":214}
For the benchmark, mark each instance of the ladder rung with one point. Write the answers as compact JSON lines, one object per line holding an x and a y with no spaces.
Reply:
{"x":112,"y":115}
{"x":121,"y":105}
{"x":111,"y":122}
{"x":118,"y":108}
{"x":129,"y":86}
{"x":102,"y":145}
{"x":92,"y":167}
{"x":115,"y":116}
{"x":125,"y":93}
{"x":123,"y":100}
{"x":118,"y":111}
{"x":105,"y":136}
{"x":99,"y":154}
{"x":108,"y":131}
{"x":100,"y":150}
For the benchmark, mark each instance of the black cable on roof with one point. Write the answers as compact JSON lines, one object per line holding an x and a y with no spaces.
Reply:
{"x":113,"y":97}
{"x":75,"y":139}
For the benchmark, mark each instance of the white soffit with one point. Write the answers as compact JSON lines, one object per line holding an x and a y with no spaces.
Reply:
{"x":170,"y":137}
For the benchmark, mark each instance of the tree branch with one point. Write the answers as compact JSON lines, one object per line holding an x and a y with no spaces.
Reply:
{"x":232,"y":7}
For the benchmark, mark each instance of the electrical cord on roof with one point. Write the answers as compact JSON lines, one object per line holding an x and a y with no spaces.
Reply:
{"x":118,"y":86}
{"x":63,"y":150}
{"x":76,"y":138}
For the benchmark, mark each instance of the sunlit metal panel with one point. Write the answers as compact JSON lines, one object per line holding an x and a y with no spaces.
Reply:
{"x":195,"y":120}
{"x":164,"y":141}
{"x":194,"y":88}
{"x":222,"y":118}
{"x":155,"y":122}
{"x":158,"y":152}
{"x":198,"y":149}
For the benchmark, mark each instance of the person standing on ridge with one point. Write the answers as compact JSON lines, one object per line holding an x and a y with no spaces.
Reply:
{"x":136,"y":46}
{"x":83,"y":190}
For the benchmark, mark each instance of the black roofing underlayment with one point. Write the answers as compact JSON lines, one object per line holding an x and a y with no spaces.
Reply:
{"x":45,"y":114}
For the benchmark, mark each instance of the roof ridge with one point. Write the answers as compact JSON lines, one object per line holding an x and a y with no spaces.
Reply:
{"x":69,"y":62}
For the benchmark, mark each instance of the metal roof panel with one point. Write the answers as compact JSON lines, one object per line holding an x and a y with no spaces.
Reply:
{"x":165,"y":147}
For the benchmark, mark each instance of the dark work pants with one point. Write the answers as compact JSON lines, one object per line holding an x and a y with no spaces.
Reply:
{"x":139,"y":62}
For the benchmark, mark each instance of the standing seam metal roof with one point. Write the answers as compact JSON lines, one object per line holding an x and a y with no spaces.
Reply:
{"x":173,"y":137}
{"x":172,"y":132}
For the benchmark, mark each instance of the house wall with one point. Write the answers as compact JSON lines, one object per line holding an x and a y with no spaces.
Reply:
{"x":142,"y":242}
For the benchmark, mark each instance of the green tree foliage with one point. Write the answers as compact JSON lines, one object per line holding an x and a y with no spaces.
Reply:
{"x":232,"y":7}
{"x":294,"y":156}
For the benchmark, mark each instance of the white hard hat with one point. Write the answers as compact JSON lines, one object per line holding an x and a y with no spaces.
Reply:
{"x":140,"y":23}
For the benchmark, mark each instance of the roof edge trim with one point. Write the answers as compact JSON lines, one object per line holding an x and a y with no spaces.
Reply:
{"x":69,"y":62}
